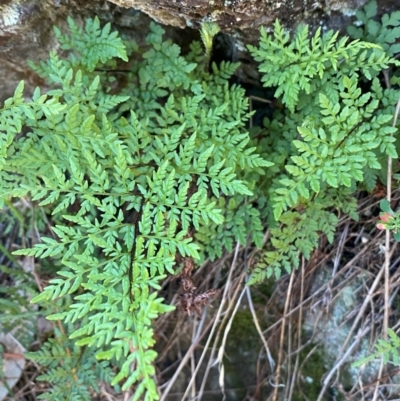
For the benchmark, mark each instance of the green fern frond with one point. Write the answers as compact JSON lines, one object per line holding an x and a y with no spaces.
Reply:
{"x":89,"y":162}
{"x":302,"y":65}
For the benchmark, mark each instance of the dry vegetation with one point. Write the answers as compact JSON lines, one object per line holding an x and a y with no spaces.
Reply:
{"x":193,"y":348}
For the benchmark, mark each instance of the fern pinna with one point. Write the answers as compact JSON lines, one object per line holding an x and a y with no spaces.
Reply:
{"x":167,"y":147}
{"x":329,"y":137}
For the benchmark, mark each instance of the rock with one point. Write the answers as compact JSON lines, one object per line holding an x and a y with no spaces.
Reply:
{"x":26,"y":26}
{"x":26,"y":33}
{"x":241,"y":19}
{"x":236,"y":14}
{"x":13,"y":363}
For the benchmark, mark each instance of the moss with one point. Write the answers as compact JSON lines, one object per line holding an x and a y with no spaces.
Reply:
{"x":312,"y":372}
{"x":263,"y":291}
{"x":242,"y":327}
{"x":241,"y":354}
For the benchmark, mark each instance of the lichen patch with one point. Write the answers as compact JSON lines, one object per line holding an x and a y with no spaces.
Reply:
{"x":9,"y":15}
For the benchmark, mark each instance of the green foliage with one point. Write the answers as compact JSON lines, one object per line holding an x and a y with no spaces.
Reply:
{"x":17,"y":314}
{"x":388,"y":350}
{"x":72,"y":370}
{"x":298,"y":233}
{"x":17,"y":285}
{"x":333,"y":136}
{"x":304,"y":66}
{"x":389,"y":220}
{"x":137,"y":177}
{"x":91,"y":45}
{"x":336,"y":150}
{"x":162,"y":152}
{"x":207,"y":33}
{"x":384,"y":33}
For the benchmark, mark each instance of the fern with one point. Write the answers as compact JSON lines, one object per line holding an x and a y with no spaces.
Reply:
{"x":18,"y":316}
{"x":92,"y":45}
{"x":388,"y":350}
{"x":303,"y":66}
{"x":384,"y":33}
{"x":336,"y":152}
{"x":126,"y":177}
{"x":72,"y":370}
{"x":331,"y":137}
{"x":166,"y":169}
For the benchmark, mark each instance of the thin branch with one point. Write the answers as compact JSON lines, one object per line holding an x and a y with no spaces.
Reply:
{"x":192,"y":358}
{"x":216,"y":341}
{"x":282,"y":339}
{"x":259,"y":331}
{"x":221,"y":350}
{"x":217,"y":336}
{"x":381,"y":368}
{"x":349,"y":264}
{"x":387,"y":238}
{"x":343,"y":359}
{"x":340,"y":359}
{"x":339,"y":252}
{"x":184,"y":361}
{"x":296,"y":364}
{"x":164,"y":395}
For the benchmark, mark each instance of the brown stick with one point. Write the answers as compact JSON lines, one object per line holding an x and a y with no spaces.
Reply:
{"x":282,"y":340}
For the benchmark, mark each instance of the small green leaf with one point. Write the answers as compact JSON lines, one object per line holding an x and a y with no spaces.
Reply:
{"x":385,"y":206}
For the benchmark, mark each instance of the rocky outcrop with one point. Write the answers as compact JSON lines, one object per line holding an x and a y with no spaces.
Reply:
{"x":234,"y":14}
{"x":26,"y":33}
{"x":26,"y":25}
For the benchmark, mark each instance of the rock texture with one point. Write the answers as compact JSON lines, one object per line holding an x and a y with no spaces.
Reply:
{"x":26,"y":25}
{"x":238,"y":14}
{"x":26,"y":33}
{"x":241,"y":19}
